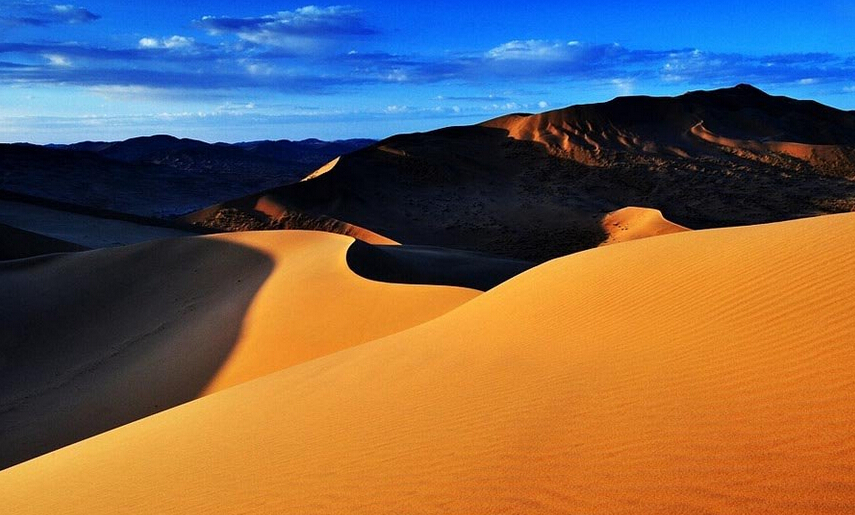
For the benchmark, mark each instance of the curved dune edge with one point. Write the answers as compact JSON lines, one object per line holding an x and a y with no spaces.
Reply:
{"x":559,"y":135}
{"x":317,"y":305}
{"x":813,"y":154}
{"x":322,"y":170}
{"x":633,"y":223}
{"x":263,"y":212}
{"x":415,"y":264}
{"x":95,"y":340}
{"x":710,"y":371}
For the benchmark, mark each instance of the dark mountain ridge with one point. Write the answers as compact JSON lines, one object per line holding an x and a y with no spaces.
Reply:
{"x":159,"y":175}
{"x":536,"y":186}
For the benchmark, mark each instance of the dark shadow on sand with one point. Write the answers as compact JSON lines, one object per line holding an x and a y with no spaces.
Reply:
{"x":91,"y":341}
{"x":18,"y":244}
{"x":415,"y":264}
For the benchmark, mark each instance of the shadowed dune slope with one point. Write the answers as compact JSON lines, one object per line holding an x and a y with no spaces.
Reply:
{"x":701,"y":372}
{"x":412,"y":264}
{"x":83,"y":227}
{"x":17,"y":244}
{"x":94,"y":340}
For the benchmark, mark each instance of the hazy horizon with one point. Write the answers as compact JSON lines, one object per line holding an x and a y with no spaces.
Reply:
{"x":272,"y":138}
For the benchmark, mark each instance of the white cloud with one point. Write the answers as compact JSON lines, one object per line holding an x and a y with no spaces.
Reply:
{"x":235,"y":108}
{"x":57,"y":60}
{"x":298,"y":29}
{"x":624,"y":86}
{"x":529,"y":49}
{"x":36,"y":14}
{"x":125,"y":93}
{"x":543,"y":104}
{"x":122,"y":92}
{"x":171,"y":43}
{"x":258,"y":68}
{"x":549,"y":51}
{"x":397,"y":75}
{"x":178,"y":42}
{"x":149,"y":43}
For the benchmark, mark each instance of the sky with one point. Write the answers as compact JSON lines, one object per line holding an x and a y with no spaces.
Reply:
{"x":239,"y":71}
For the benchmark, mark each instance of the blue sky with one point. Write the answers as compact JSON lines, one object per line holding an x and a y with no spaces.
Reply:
{"x":236,"y":71}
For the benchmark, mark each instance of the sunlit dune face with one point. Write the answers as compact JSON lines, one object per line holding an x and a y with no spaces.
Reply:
{"x":198,"y":314}
{"x":707,"y":371}
{"x":632,"y":223}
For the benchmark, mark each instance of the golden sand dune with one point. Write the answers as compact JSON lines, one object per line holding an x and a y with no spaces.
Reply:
{"x":701,"y":372}
{"x":97,"y":339}
{"x":633,"y":223}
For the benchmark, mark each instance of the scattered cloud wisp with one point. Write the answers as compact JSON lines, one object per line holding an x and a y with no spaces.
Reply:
{"x":293,"y":29}
{"x":42,"y":15}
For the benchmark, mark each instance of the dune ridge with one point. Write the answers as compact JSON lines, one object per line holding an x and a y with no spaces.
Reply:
{"x":264,"y":212}
{"x":784,"y":128}
{"x":94,"y":340}
{"x":700,"y":372}
{"x":828,"y":157}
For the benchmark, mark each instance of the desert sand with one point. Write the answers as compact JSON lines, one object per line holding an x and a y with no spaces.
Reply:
{"x":97,"y":339}
{"x":634,"y":223}
{"x":700,"y":372}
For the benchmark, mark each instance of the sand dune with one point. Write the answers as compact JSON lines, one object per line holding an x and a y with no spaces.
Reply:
{"x":94,"y":340}
{"x":701,"y":372}
{"x":265,"y":212}
{"x":633,"y":223}
{"x":535,"y":186}
{"x":828,"y":157}
{"x":750,"y":124}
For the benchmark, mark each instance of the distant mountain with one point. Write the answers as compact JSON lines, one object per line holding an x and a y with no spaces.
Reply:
{"x":144,"y":148}
{"x":305,"y":151}
{"x":159,"y":175}
{"x":537,"y":186}
{"x":741,"y":122}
